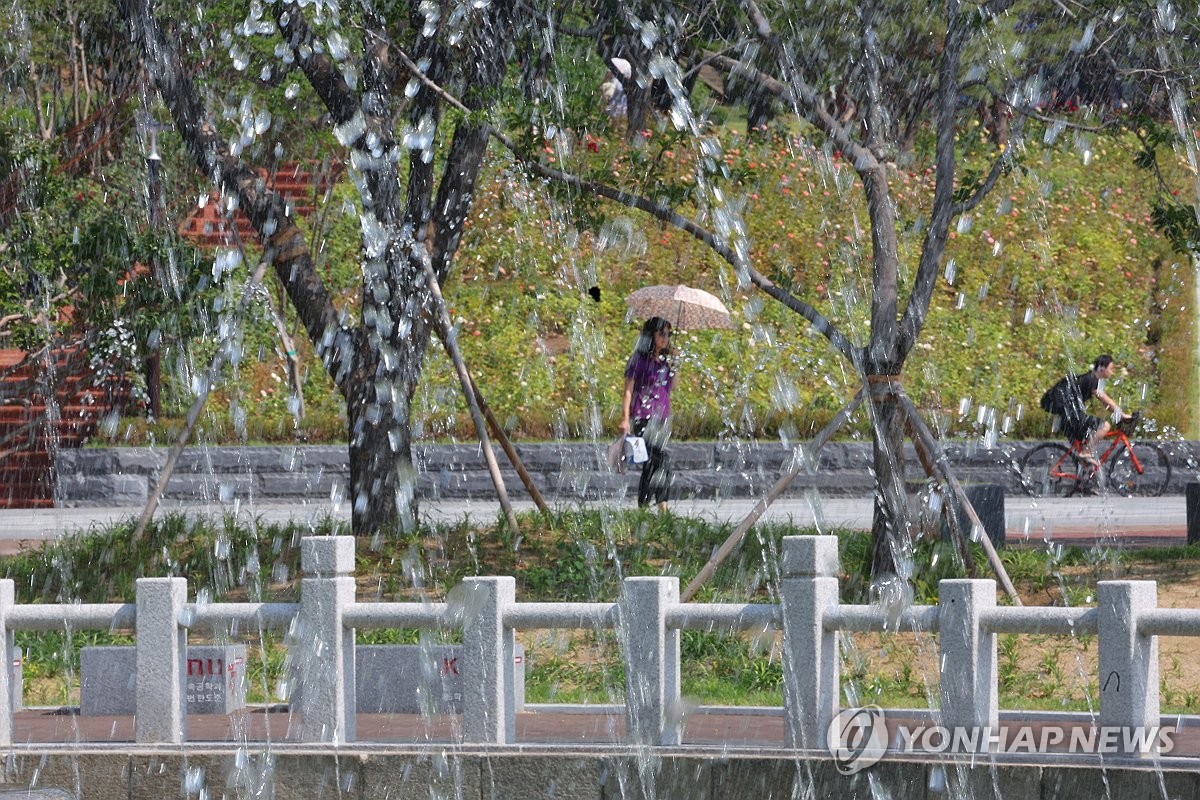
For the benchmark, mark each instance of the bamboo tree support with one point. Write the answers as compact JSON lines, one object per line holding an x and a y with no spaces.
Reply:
{"x":924,"y":438}
{"x":956,"y":532}
{"x":510,"y":451}
{"x":760,"y":508}
{"x":210,"y":378}
{"x":507,"y":446}
{"x":441,"y":319}
{"x":290,"y":354}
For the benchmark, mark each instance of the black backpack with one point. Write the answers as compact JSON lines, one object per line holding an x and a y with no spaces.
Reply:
{"x":1052,"y":400}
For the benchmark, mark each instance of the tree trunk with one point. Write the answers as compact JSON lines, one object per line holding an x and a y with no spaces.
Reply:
{"x":382,"y":476}
{"x":889,"y":528}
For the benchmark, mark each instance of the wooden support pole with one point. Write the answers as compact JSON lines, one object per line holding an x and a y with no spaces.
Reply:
{"x":760,"y":508}
{"x":210,"y":378}
{"x":441,"y":319}
{"x":507,"y":446}
{"x":938,"y":459}
{"x":928,"y":463}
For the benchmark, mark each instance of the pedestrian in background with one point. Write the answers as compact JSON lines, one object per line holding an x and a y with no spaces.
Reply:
{"x":646,"y":407}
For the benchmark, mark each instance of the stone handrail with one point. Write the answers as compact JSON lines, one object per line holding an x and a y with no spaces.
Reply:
{"x":648,"y":618}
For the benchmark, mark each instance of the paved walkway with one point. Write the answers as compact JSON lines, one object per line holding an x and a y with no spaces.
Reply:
{"x":1105,"y":520}
{"x":760,"y":729}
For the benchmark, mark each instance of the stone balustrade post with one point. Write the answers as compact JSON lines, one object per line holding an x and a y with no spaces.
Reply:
{"x":969,"y":677}
{"x":1128,"y":659}
{"x":811,"y":661}
{"x":323,"y":647}
{"x":651,"y":660}
{"x":160,"y":701}
{"x":487,"y":665}
{"x":8,"y":596}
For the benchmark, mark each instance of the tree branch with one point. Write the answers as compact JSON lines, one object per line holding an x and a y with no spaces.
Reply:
{"x":957,"y":31}
{"x":663,"y":213}
{"x":802,"y":95}
{"x":337,"y":96}
{"x":266,"y":210}
{"x":984,"y":188}
{"x":873,"y":73}
{"x":707,"y":237}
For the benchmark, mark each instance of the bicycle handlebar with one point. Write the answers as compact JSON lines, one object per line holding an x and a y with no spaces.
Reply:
{"x":1128,"y":426}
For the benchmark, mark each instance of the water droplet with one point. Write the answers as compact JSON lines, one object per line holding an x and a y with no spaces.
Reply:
{"x":649,"y":35}
{"x":339,"y":49}
{"x":239,"y":57}
{"x":348,"y":132}
{"x":1167,"y":16}
{"x":193,"y":780}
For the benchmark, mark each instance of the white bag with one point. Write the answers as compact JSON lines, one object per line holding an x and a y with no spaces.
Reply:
{"x":635,"y":450}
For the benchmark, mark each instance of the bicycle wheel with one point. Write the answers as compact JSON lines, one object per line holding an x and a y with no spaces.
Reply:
{"x":1049,"y":470}
{"x":1125,"y":477}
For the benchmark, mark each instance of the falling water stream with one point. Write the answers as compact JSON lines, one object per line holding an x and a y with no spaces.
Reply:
{"x":756,"y":382}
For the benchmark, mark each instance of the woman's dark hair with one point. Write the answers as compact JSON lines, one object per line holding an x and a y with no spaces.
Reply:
{"x":1102,"y":361}
{"x":645,"y":342}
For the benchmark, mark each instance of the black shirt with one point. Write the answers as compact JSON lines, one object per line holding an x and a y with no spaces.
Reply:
{"x":1076,"y":390}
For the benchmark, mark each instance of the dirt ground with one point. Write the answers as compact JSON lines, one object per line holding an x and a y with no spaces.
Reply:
{"x":1043,"y":671}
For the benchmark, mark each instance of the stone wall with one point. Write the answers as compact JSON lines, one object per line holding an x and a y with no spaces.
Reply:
{"x":562,"y":471}
{"x":618,"y":774}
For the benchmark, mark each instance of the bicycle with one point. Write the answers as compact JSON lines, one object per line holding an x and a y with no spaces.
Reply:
{"x":1132,"y":469}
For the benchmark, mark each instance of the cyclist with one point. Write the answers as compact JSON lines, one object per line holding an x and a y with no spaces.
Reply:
{"x":1068,"y":399}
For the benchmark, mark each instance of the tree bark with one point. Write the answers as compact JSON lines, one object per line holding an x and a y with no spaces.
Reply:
{"x":889,"y":528}
{"x":382,"y":475}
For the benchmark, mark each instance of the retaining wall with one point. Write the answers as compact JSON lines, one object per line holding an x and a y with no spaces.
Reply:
{"x":562,"y":470}
{"x":502,"y":773}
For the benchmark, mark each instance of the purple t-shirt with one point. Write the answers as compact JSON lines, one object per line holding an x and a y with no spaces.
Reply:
{"x":652,"y":383}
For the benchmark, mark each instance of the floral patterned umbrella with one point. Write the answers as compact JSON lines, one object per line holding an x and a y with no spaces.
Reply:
{"x":684,"y":307}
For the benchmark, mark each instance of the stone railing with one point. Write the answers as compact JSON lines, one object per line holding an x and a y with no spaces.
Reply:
{"x":648,"y":618}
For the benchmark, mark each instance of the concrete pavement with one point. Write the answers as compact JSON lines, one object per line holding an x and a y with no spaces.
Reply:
{"x":1106,"y":520}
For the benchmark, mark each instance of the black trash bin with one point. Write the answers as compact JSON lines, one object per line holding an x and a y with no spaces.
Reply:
{"x":988,"y":500}
{"x":1192,"y":495}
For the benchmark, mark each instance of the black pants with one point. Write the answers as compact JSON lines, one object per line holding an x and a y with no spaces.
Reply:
{"x":1078,"y":426}
{"x":655,"y":485}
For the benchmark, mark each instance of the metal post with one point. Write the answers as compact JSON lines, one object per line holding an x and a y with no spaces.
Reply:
{"x":651,"y":659}
{"x":1128,"y":659}
{"x":969,"y":679}
{"x":160,"y":704}
{"x":7,"y":706}
{"x":811,"y":661}
{"x":324,"y":647}
{"x":489,"y":706}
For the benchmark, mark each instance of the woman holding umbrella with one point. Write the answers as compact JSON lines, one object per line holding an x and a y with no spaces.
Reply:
{"x":646,"y":407}
{"x":650,"y":375}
